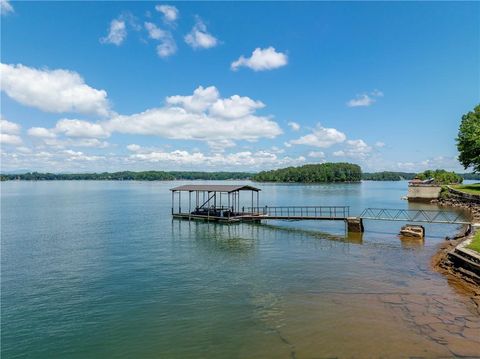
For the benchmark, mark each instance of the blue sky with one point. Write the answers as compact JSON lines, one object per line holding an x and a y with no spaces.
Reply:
{"x":235,"y":86}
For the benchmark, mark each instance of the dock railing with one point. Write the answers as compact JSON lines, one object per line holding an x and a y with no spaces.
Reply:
{"x":336,"y":212}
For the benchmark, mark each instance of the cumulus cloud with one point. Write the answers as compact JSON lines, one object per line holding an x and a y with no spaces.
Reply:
{"x":235,"y":107}
{"x":80,"y":128}
{"x":167,"y":46}
{"x":201,"y":99}
{"x":294,"y":126}
{"x":321,"y":137}
{"x":379,"y":144}
{"x":71,"y":128}
{"x":52,"y":90}
{"x":116,"y":34}
{"x":365,"y":100}
{"x":199,"y":37}
{"x":133,"y":147}
{"x":5,"y":7}
{"x":261,"y":60}
{"x":8,"y":139}
{"x":41,"y":132}
{"x":354,"y":149}
{"x":9,"y":132}
{"x":201,"y":116}
{"x":8,"y":127}
{"x":170,"y":13}
{"x":247,"y":159}
{"x":204,"y":115}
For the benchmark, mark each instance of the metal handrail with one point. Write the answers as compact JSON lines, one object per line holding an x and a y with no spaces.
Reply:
{"x":302,"y":211}
{"x":414,"y":215}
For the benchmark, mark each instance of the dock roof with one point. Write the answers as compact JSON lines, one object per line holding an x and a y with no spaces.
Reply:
{"x":215,"y":188}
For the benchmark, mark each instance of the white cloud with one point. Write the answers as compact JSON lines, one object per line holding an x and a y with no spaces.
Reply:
{"x":261,"y":60}
{"x":235,"y":107}
{"x":80,"y":128}
{"x":199,"y":37}
{"x":354,"y":149}
{"x":201,"y":99}
{"x":116,"y":33}
{"x":294,"y":126}
{"x":8,"y":127}
{"x":177,"y":123}
{"x":13,"y":140}
{"x":170,"y":13}
{"x":220,"y":145}
{"x":133,"y":147}
{"x":365,"y":100}
{"x":361,"y":100}
{"x":245,"y":159}
{"x":321,"y":137}
{"x":201,"y":116}
{"x":167,"y":46}
{"x":316,"y":154}
{"x":153,"y":31}
{"x":379,"y":144}
{"x":56,"y":142}
{"x":6,"y":7}
{"x":41,"y":132}
{"x":77,"y":155}
{"x":52,"y":90}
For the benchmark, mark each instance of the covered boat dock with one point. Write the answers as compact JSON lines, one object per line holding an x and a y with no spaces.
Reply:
{"x":215,"y":202}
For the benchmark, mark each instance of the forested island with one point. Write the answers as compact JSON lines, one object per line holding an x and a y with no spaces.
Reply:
{"x":317,"y":173}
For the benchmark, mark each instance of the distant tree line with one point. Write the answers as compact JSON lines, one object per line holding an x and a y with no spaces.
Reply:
{"x":307,"y":173}
{"x":401,"y":176}
{"x":128,"y":176}
{"x":325,"y":172}
{"x":388,"y":176}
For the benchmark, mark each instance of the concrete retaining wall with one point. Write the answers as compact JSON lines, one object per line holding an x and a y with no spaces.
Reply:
{"x":423,"y":193}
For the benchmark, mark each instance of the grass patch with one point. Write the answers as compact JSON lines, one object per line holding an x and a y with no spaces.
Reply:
{"x":468,"y":188}
{"x":475,"y":244}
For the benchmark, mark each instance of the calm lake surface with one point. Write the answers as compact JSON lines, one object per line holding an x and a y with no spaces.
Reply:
{"x":100,"y":269}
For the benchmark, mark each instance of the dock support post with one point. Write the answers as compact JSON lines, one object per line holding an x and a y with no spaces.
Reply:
{"x":355,"y":224}
{"x":189,"y":204}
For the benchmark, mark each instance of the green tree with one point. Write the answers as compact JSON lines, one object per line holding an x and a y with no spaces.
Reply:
{"x":468,"y":140}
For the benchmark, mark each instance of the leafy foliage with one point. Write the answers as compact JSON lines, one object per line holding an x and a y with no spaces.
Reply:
{"x":325,"y":172}
{"x":468,"y":140}
{"x":440,"y":176}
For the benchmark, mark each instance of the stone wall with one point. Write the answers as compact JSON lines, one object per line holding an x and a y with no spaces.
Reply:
{"x":460,"y":199}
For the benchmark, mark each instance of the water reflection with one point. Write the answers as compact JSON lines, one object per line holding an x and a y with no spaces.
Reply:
{"x":411,"y":242}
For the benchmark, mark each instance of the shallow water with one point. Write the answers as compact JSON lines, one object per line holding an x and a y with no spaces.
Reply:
{"x":96,"y":269}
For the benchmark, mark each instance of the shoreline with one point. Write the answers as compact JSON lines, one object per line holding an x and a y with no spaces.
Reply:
{"x":441,"y":263}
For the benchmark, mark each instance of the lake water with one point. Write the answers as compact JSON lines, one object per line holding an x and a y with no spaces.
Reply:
{"x":100,"y":269}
